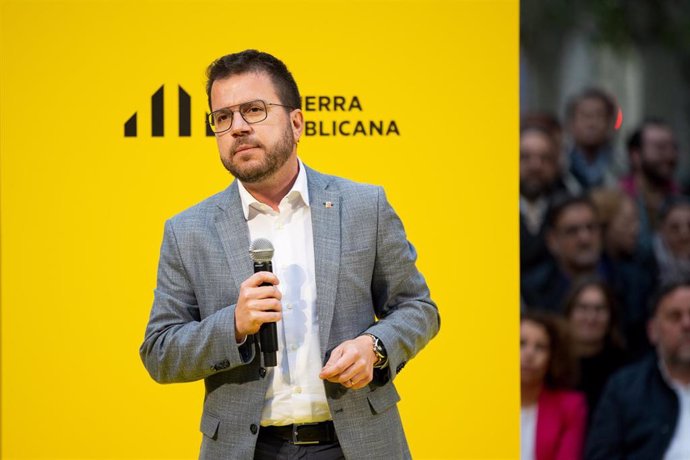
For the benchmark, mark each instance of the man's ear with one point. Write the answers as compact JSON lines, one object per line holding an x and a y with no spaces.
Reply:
{"x":297,"y":124}
{"x":652,"y":332}
{"x":552,"y":242}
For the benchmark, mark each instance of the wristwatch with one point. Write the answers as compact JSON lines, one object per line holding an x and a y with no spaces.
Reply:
{"x":379,"y":351}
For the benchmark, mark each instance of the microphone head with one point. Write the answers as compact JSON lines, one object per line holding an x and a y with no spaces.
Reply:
{"x":261,"y":250}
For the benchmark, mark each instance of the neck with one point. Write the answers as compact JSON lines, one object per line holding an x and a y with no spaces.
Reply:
{"x":587,"y":349}
{"x":529,"y":394}
{"x":612,"y":251}
{"x":652,"y":191}
{"x":679,"y":372}
{"x":273,"y":189}
{"x":590,"y":152}
{"x":576,"y":272}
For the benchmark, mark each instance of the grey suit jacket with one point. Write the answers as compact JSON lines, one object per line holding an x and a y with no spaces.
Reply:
{"x":366,"y":281}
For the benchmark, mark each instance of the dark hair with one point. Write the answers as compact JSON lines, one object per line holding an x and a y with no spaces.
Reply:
{"x":613,"y":335}
{"x":561,"y":371}
{"x":562,"y":202}
{"x":672,"y":203}
{"x":256,"y":61}
{"x":591,"y":93}
{"x":637,"y":137}
{"x":541,"y":121}
{"x":663,"y":291}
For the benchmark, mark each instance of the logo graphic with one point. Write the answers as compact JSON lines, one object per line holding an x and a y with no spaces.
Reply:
{"x":336,"y":116}
{"x":184,"y":122}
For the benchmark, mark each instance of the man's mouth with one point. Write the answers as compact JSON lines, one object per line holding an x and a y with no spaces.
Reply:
{"x":243,"y":147}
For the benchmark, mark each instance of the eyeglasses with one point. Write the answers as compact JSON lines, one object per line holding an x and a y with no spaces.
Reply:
{"x":252,"y":112}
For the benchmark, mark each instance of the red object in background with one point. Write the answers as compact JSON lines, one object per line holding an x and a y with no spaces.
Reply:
{"x":619,"y":119}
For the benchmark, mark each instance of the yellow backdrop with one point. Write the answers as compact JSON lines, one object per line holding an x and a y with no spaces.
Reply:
{"x":83,"y":205}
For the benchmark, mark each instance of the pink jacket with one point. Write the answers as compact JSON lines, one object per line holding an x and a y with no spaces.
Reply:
{"x":561,"y":425}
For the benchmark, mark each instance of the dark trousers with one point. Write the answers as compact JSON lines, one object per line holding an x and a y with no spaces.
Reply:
{"x":273,"y":448}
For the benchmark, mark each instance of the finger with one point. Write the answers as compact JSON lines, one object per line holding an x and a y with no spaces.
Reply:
{"x":260,"y":318}
{"x":264,"y":292}
{"x":268,"y":317}
{"x":356,"y":368}
{"x":329,"y":370}
{"x":361,"y":380}
{"x":346,"y":360}
{"x":257,"y":279}
{"x":357,"y":381}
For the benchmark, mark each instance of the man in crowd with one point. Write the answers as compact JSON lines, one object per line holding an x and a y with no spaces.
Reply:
{"x":541,"y":177}
{"x":591,"y":117}
{"x":644,"y":412}
{"x":350,"y":306}
{"x":574,"y":239}
{"x":653,"y":154}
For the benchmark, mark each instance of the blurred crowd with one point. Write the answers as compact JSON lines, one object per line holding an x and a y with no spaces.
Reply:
{"x":605,"y":296}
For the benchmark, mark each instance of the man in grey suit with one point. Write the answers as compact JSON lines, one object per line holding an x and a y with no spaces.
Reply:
{"x":350,"y":306}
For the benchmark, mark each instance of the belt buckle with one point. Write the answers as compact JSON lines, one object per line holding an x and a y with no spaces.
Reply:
{"x":295,"y":434}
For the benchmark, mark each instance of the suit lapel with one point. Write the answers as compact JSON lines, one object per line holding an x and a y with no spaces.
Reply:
{"x":234,"y":234}
{"x":325,"y":217}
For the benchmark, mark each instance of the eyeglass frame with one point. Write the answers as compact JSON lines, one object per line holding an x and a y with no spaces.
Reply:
{"x":237,"y":109}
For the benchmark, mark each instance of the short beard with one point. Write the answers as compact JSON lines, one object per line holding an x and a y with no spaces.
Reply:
{"x":653,"y":176}
{"x":274,"y":159}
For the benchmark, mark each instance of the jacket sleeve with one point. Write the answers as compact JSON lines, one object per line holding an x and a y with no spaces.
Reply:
{"x":178,"y":345}
{"x":605,"y":439}
{"x":572,"y":442}
{"x":408,"y":318}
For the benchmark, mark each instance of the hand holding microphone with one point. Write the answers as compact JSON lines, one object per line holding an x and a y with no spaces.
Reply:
{"x":258,"y":306}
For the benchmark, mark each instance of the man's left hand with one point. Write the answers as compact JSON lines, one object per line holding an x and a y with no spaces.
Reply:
{"x":351,"y":363}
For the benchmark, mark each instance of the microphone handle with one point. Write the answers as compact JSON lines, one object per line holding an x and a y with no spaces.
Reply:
{"x":268,"y":333}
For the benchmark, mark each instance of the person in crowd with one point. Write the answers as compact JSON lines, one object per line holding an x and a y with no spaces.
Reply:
{"x":630,"y":266}
{"x":653,"y":154}
{"x":553,"y":417}
{"x":644,"y":411}
{"x":672,"y":242}
{"x":591,"y":117}
{"x":540,"y":178}
{"x":573,"y":238}
{"x":596,"y":342}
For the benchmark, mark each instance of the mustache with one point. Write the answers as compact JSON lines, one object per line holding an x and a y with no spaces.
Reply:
{"x":244,"y":141}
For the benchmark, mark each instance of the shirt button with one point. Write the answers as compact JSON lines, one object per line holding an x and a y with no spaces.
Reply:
{"x":289,"y":306}
{"x":253,"y":428}
{"x":293,"y":347}
{"x":298,"y":390}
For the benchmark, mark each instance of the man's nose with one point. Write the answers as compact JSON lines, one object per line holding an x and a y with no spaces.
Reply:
{"x":685,"y":321}
{"x":239,"y":126}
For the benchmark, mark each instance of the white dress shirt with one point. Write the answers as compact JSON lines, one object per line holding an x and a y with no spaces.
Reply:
{"x":296,"y":393}
{"x":528,"y":432}
{"x":679,"y":449}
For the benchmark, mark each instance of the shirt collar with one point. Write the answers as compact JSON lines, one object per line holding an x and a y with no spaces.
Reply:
{"x":679,"y":387}
{"x":297,"y":196}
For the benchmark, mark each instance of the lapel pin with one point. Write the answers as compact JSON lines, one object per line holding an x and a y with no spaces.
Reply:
{"x":328,"y":204}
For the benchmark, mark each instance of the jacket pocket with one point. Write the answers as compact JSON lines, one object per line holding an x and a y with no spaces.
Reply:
{"x":209,"y":425}
{"x":383,"y":398}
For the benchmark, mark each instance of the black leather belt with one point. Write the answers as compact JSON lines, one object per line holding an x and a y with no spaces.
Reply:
{"x":302,"y":433}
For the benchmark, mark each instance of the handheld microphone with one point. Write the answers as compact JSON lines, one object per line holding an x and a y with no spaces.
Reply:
{"x":261,"y":252}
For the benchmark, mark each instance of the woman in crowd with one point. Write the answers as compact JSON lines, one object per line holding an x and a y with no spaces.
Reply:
{"x":672,"y":243}
{"x":629,"y":265}
{"x":553,"y":418}
{"x":595,"y":340}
